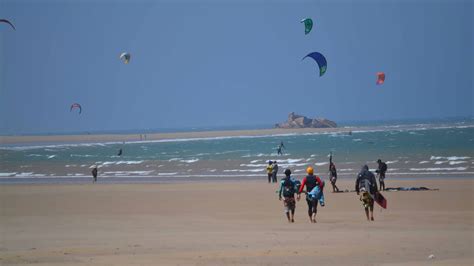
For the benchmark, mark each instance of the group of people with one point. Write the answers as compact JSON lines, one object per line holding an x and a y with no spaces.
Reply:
{"x":312,"y":186}
{"x":272,"y":171}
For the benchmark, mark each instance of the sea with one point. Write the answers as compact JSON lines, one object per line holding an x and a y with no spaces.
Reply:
{"x":421,"y":149}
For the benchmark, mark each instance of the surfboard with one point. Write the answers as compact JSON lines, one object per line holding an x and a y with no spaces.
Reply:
{"x":380,"y":199}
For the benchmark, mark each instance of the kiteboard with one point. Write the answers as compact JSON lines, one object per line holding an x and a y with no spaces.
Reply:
{"x":380,"y":199}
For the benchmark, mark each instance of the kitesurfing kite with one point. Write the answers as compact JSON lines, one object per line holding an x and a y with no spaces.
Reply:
{"x":380,"y":78}
{"x":125,"y":57}
{"x":308,"y":25}
{"x":321,"y":60}
{"x":76,"y":105}
{"x":8,"y":22}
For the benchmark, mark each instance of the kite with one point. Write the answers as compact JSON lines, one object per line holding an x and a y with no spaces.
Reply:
{"x":125,"y":57}
{"x":308,"y":25}
{"x":380,"y":78}
{"x":321,"y":60}
{"x":76,"y":105}
{"x":8,"y":22}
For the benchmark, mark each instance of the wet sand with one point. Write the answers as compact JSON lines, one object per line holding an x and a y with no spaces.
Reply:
{"x":166,"y":136}
{"x":231,"y":222}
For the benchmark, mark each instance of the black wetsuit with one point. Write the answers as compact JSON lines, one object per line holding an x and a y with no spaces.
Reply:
{"x":366,"y":176}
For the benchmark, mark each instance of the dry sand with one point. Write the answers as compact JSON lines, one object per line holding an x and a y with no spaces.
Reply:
{"x":235,"y":223}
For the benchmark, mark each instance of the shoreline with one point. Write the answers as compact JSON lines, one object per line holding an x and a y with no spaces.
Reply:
{"x":197,"y":135}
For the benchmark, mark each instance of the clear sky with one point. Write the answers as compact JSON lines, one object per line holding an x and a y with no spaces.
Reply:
{"x":230,"y":63}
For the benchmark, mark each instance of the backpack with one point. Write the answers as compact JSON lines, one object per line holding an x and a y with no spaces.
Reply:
{"x":288,"y":188}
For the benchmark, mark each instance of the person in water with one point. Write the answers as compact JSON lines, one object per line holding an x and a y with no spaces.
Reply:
{"x":382,"y":168}
{"x":367,"y":185}
{"x":288,"y":190}
{"x":274,"y":171}
{"x":279,"y":149}
{"x":311,"y":181}
{"x":94,"y":174}
{"x":333,"y":174}
{"x":270,"y":171}
{"x":119,"y":152}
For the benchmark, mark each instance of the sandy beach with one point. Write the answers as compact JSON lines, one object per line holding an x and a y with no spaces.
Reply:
{"x":231,"y":223}
{"x":167,"y":136}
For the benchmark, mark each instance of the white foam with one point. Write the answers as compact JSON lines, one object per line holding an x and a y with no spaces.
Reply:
{"x":189,"y":161}
{"x":449,"y":158}
{"x":357,"y":140}
{"x":321,"y":164}
{"x":456,"y":162}
{"x":167,"y":174}
{"x":255,"y":161}
{"x":174,"y":159}
{"x":253,"y":165}
{"x":440,"y":162}
{"x":423,"y":162}
{"x":389,"y":162}
{"x":439,"y":169}
{"x":7,"y":174}
{"x":243,"y":170}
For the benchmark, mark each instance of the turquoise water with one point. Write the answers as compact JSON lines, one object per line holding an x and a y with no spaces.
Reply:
{"x":428,"y":149}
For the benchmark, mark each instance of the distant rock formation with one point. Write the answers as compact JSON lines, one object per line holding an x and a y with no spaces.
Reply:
{"x":299,"y":121}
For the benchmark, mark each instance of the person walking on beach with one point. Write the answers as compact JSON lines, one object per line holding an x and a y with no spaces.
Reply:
{"x":270,"y":171}
{"x":288,"y":190}
{"x":381,"y":173}
{"x":333,"y":174}
{"x":311,"y":181}
{"x":94,"y":174}
{"x":274,"y":171}
{"x":367,"y":185}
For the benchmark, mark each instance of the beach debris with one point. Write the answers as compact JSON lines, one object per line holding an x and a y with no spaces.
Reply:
{"x":8,"y":22}
{"x":76,"y":105}
{"x":380,"y":78}
{"x":125,"y":57}
{"x":432,"y":256}
{"x":308,"y":25}
{"x":320,"y":59}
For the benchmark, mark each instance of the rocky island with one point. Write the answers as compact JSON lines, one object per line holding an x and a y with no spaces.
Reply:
{"x":299,"y":121}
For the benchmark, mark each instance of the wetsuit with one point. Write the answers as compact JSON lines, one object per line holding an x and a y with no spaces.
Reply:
{"x":274,"y":173}
{"x":94,"y":174}
{"x":366,"y":178}
{"x":381,"y":171}
{"x":310,"y":181}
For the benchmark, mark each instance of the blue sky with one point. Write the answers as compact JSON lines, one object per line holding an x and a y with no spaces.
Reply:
{"x":230,"y":63}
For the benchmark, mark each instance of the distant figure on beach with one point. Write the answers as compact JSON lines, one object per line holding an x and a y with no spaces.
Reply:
{"x":274,"y":171}
{"x":333,"y":174}
{"x":314,"y":189}
{"x":279,"y":148}
{"x":270,"y":171}
{"x":367,"y":185}
{"x":119,"y":153}
{"x":288,"y":190}
{"x":381,"y":173}
{"x":94,"y":174}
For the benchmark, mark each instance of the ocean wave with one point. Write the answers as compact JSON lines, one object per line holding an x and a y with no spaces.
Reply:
{"x":391,"y":162}
{"x":449,"y":158}
{"x":440,"y":169}
{"x":243,"y":170}
{"x":140,"y":173}
{"x":321,"y":164}
{"x":7,"y":174}
{"x":189,"y":161}
{"x":423,"y":162}
{"x":167,"y":174}
{"x":121,"y":162}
